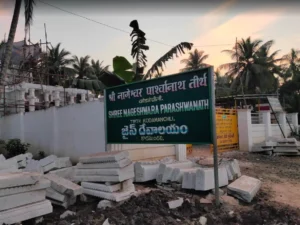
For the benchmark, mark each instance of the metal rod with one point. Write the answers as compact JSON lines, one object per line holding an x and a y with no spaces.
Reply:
{"x":214,"y":133}
{"x":276,"y":118}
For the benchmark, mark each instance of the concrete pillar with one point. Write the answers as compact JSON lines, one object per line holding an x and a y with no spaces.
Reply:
{"x":180,"y":152}
{"x":245,"y":129}
{"x":47,"y":98}
{"x":21,"y":100}
{"x":56,"y":98}
{"x":83,"y":98}
{"x":294,"y":121}
{"x":32,"y":99}
{"x":91,"y":97}
{"x":266,"y":119}
{"x":72,"y":98}
{"x":282,"y":121}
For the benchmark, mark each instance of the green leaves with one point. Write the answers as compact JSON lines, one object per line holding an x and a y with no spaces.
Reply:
{"x":123,"y":68}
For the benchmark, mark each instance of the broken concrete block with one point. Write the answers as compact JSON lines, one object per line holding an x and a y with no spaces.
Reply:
{"x":162,"y":168}
{"x":175,"y":203}
{"x":22,"y":164}
{"x":64,"y":186}
{"x":49,"y":167}
{"x":203,"y":220}
{"x":244,"y":188}
{"x":47,"y":160}
{"x":115,"y":196}
{"x":42,"y":184}
{"x":106,"y":222}
{"x":67,"y":173}
{"x":144,"y":172}
{"x":233,"y":169}
{"x":55,"y":195}
{"x":170,"y":167}
{"x":105,"y":165}
{"x":67,"y":214}
{"x":16,"y":200}
{"x":103,"y":204}
{"x":25,"y":212}
{"x":101,"y":187}
{"x":68,"y":202}
{"x":104,"y":157}
{"x":127,"y":185}
{"x":28,"y":155}
{"x":205,"y":178}
{"x":18,"y":179}
{"x":177,"y":174}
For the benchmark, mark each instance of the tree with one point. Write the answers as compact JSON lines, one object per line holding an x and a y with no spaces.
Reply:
{"x":194,"y":61}
{"x":99,"y":70}
{"x":138,"y":47}
{"x":292,"y":69}
{"x":252,"y":66}
{"x":222,"y":84}
{"x":29,"y":4}
{"x":82,"y":67}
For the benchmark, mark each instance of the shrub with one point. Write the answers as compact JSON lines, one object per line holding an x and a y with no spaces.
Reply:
{"x":42,"y":154}
{"x":15,"y":147}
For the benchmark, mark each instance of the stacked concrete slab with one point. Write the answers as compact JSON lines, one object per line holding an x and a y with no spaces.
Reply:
{"x":14,"y":164}
{"x":62,"y":192}
{"x":48,"y":163}
{"x":282,"y":146}
{"x":106,"y":175}
{"x":23,"y":197}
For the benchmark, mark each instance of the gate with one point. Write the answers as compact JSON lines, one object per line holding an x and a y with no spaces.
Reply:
{"x":227,"y":130}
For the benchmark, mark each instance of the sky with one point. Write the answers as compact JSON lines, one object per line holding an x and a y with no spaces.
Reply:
{"x":211,"y":26}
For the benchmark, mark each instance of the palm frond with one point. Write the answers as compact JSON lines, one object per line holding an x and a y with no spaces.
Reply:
{"x":29,"y":4}
{"x":169,"y":55}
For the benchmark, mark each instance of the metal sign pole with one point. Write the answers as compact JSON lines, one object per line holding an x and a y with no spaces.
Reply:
{"x":214,"y":133}
{"x":105,"y":122}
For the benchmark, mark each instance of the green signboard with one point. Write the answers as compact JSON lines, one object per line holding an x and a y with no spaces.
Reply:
{"x":171,"y":109}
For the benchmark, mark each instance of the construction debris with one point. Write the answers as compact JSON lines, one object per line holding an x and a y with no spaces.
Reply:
{"x":23,"y":197}
{"x":62,"y":192}
{"x":244,"y":188}
{"x":175,"y":203}
{"x":106,"y":175}
{"x":66,"y":214}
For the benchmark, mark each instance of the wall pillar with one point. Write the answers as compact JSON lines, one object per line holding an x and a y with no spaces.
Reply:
{"x":266,"y":119}
{"x":83,"y":97}
{"x":21,"y":100}
{"x":56,"y":98}
{"x":32,"y":99}
{"x":245,"y":129}
{"x":72,"y":98}
{"x":47,"y":98}
{"x":282,"y":121}
{"x":294,"y":121}
{"x":180,"y":151}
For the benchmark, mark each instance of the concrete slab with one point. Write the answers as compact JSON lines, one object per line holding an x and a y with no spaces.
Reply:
{"x":22,"y":164}
{"x":175,"y":203}
{"x":177,"y":174}
{"x":102,"y":187}
{"x":66,"y":204}
{"x":64,"y":186}
{"x":105,"y":172}
{"x":42,"y":184}
{"x":261,"y":148}
{"x":12,"y":169}
{"x":292,"y":149}
{"x":99,"y":178}
{"x":67,"y":173}
{"x":105,"y":165}
{"x":145,"y":172}
{"x":104,"y":157}
{"x":55,"y":195}
{"x":205,"y":178}
{"x":244,"y":188}
{"x":115,"y":196}
{"x":16,"y":200}
{"x":34,"y":166}
{"x":63,"y":162}
{"x":170,"y":167}
{"x":47,"y":160}
{"x":8,"y":163}
{"x":233,"y":169}
{"x":26,"y":212}
{"x":18,"y":179}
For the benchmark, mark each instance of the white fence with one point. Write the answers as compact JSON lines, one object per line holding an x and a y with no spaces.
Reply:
{"x":74,"y":131}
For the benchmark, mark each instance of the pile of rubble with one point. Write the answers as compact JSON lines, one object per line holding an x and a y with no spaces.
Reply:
{"x":106,"y":175}
{"x":23,"y":197}
{"x":282,"y":146}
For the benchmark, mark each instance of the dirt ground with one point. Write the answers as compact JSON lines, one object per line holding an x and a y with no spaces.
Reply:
{"x":278,"y":201}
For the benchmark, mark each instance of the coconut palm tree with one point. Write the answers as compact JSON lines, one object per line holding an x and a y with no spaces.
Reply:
{"x":252,"y":62}
{"x":29,"y":4}
{"x":194,"y":61}
{"x":58,"y":59}
{"x":292,"y":69}
{"x":99,"y":70}
{"x":82,"y":67}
